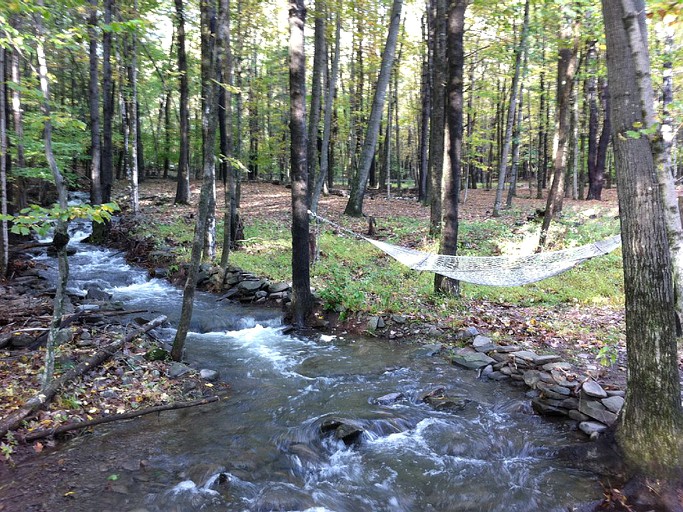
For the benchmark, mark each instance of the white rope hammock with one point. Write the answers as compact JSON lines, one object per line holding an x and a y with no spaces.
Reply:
{"x":492,"y":270}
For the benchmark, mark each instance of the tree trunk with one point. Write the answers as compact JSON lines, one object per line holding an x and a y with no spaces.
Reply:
{"x":167,"y":134}
{"x":327,"y":122}
{"x":437,"y":124}
{"x":183,"y":174}
{"x":132,"y":111}
{"x":651,"y":423}
{"x":355,"y":205}
{"x":451,"y":183}
{"x":512,"y":108}
{"x":316,"y":93}
{"x":425,"y":87}
{"x":4,"y":233}
{"x":61,"y":236}
{"x":209,"y":121}
{"x":107,"y":170}
{"x":94,"y":102}
{"x":19,"y":189}
{"x":516,"y":145}
{"x":302,"y":299}
{"x":566,"y":70}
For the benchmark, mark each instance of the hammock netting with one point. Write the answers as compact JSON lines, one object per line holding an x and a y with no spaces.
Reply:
{"x":494,"y":270}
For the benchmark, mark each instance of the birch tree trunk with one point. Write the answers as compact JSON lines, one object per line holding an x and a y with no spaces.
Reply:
{"x":354,"y":207}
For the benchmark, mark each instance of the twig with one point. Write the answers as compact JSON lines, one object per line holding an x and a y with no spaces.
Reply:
{"x":39,"y":434}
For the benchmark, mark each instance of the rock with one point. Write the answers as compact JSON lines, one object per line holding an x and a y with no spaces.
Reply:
{"x":577,"y":416}
{"x":597,"y":411}
{"x":488,"y":370}
{"x":542,"y":360}
{"x":250,"y":286}
{"x":94,"y":293}
{"x":430,"y":350}
{"x":592,"y":388}
{"x":390,"y":398}
{"x":613,"y":403}
{"x":563,"y":379}
{"x":159,"y":273}
{"x":506,"y":349}
{"x":532,"y":377}
{"x":398,"y":319}
{"x":472,"y":361}
{"x":557,"y":366}
{"x":373,"y":324}
{"x":21,"y":340}
{"x":261,"y":294}
{"x":498,"y":376}
{"x":616,"y":392}
{"x":278,"y":287}
{"x":525,"y":355}
{"x":178,"y":369}
{"x":481,"y":341}
{"x":541,"y":407}
{"x":570,"y":403}
{"x":343,"y":430}
{"x":592,"y":428}
{"x":562,"y":391}
{"x":232,"y":292}
{"x":426,"y":395}
{"x":281,"y":497}
{"x":208,"y":375}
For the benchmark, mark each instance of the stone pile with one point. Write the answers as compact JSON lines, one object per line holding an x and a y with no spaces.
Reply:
{"x":556,"y":389}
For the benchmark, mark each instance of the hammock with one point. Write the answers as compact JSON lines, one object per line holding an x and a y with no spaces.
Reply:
{"x":492,"y":270}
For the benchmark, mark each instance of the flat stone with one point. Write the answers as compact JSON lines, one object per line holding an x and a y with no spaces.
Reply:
{"x":472,"y":361}
{"x":278,"y":287}
{"x":541,"y":360}
{"x":548,"y":391}
{"x":577,"y":416}
{"x":178,"y":369}
{"x":481,"y":341}
{"x":592,"y":428}
{"x":373,"y":324}
{"x":592,"y":388}
{"x":250,"y":286}
{"x":485,"y":348}
{"x":498,"y":376}
{"x":562,"y":379}
{"x":597,"y":411}
{"x":616,"y":392}
{"x":501,"y":358}
{"x":541,"y":407}
{"x":555,"y":388}
{"x":398,"y":319}
{"x":526,"y":355}
{"x":613,"y":403}
{"x":532,"y":378}
{"x":570,"y":403}
{"x":557,"y":366}
{"x":506,"y":349}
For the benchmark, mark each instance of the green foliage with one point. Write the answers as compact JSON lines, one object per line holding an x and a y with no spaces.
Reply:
{"x":607,"y":355}
{"x":40,"y":219}
{"x":7,"y":448}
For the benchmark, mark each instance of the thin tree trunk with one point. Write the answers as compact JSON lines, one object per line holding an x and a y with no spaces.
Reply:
{"x":514,"y":90}
{"x":61,"y":237}
{"x":354,"y":206}
{"x":209,"y":122}
{"x":316,"y":94}
{"x":132,"y":111}
{"x":19,"y":189}
{"x":516,"y":145}
{"x":451,"y":189}
{"x":425,"y":86}
{"x":94,"y":101}
{"x":167,"y":134}
{"x":327,"y":122}
{"x":107,"y":170}
{"x":566,"y":69}
{"x":302,"y":299}
{"x":183,"y":174}
{"x":4,"y":233}
{"x":437,"y":116}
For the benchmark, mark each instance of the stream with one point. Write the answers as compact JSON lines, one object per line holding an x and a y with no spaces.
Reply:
{"x":262,"y":448}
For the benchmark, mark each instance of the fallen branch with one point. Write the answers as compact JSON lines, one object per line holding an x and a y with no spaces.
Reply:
{"x":39,"y":434}
{"x":13,"y":420}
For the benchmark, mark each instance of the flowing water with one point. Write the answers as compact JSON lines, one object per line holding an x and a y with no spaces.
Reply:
{"x":262,"y":449}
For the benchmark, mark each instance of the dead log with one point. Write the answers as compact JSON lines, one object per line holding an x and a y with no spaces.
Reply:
{"x":13,"y":420}
{"x":39,"y":434}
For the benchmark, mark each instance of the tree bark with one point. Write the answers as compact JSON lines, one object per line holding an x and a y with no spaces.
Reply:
{"x":451,"y":183}
{"x":302,"y":299}
{"x":94,"y":102}
{"x":566,"y":70}
{"x":425,"y":103}
{"x":182,"y":195}
{"x":209,"y":122}
{"x":437,"y":117}
{"x":316,"y":94}
{"x":19,"y":190}
{"x":650,"y":426}
{"x":354,"y":207}
{"x":131,"y":95}
{"x":512,"y":108}
{"x":327,"y":122}
{"x":4,"y":232}
{"x":107,"y":170}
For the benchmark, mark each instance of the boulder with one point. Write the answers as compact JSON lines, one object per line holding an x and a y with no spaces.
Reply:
{"x":597,"y":411}
{"x":613,"y":403}
{"x":398,"y":319}
{"x":343,"y":430}
{"x":178,"y":369}
{"x":208,"y":375}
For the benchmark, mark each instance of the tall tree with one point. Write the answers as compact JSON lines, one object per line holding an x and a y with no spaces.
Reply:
{"x":94,"y":101}
{"x":512,"y":108}
{"x":61,"y":236}
{"x":566,"y":70}
{"x":209,"y":122}
{"x":454,"y":106}
{"x":302,"y":299}
{"x":316,"y":92}
{"x":354,"y":207}
{"x":4,"y":233}
{"x":183,"y":184}
{"x":650,"y":430}
{"x":107,"y":170}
